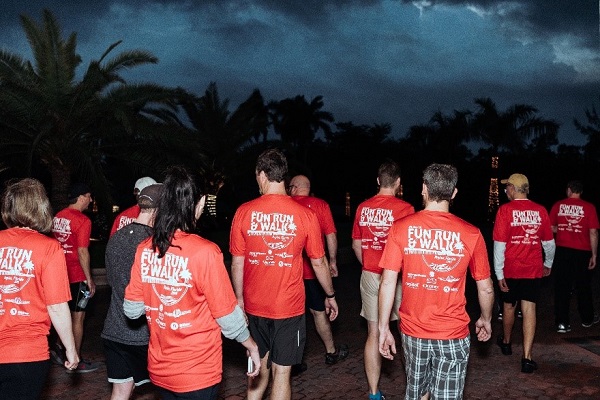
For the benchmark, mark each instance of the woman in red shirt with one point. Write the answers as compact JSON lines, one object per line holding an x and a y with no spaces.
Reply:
{"x":34,"y":290}
{"x":179,"y":280}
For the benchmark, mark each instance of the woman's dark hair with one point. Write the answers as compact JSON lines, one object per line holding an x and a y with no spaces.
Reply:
{"x":176,"y":208}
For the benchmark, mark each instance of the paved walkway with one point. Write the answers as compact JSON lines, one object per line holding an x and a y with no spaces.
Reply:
{"x":569,"y":364}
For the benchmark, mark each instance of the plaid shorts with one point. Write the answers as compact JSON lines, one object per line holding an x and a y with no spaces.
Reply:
{"x":435,"y":366}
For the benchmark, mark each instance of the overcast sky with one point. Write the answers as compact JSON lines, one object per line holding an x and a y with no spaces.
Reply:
{"x":373,"y":61}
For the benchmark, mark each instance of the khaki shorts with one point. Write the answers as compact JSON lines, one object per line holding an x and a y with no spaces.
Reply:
{"x":369,"y":293}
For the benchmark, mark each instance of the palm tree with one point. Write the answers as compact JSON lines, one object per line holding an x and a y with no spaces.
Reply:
{"x":297,"y":121}
{"x":72,"y":127}
{"x":221,"y":134}
{"x":591,"y":129}
{"x":510,"y":131}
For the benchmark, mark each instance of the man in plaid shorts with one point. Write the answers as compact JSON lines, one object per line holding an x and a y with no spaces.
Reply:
{"x":433,"y":249}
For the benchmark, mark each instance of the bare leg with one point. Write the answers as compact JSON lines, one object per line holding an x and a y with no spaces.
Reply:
{"x":122,"y":391}
{"x":258,"y":385}
{"x":282,"y":386}
{"x":77,"y":318}
{"x":529,"y":322}
{"x":508,"y":321}
{"x":323,"y":327}
{"x":372,"y":357}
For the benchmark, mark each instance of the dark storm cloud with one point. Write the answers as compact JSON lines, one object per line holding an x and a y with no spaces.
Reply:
{"x":541,"y":18}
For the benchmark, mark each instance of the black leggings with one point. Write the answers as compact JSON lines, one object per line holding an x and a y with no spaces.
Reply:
{"x":23,"y":381}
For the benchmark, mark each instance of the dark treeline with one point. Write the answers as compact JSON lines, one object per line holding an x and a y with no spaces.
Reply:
{"x":107,"y":132}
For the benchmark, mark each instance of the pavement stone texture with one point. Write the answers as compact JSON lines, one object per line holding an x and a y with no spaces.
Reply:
{"x":569,"y":364}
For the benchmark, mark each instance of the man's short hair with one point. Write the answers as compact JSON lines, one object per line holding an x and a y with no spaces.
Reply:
{"x":273,"y":163}
{"x":440,"y":180}
{"x":575,"y":186}
{"x":388,"y":173}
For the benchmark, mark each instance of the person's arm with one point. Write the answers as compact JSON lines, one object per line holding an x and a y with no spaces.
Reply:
{"x":387,"y":291}
{"x":233,"y":326}
{"x":237,"y":279}
{"x":499,"y":250}
{"x":324,"y":277}
{"x":485,"y":294}
{"x":594,"y":243}
{"x":554,"y":229}
{"x":84,"y":260}
{"x":61,"y":320}
{"x":356,"y":246}
{"x":549,"y":249}
{"x":332,"y":245}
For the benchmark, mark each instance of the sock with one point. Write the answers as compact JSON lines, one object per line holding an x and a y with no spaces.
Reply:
{"x":376,"y":396}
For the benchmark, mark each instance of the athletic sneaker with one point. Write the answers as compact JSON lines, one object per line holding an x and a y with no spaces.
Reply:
{"x":84,"y":367}
{"x":594,"y":322}
{"x":341,"y":352}
{"x":563,"y":328}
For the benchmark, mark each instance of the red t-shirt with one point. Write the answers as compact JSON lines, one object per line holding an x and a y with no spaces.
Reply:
{"x":373,"y":220}
{"x":126,"y":217}
{"x":321,"y":208}
{"x":270,"y":233}
{"x":72,"y":229}
{"x":433,"y":250}
{"x":33,"y":275}
{"x":184,"y":293}
{"x":523,"y":225}
{"x":573,"y":219}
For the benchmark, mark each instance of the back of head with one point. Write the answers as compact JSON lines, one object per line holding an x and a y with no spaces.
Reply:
{"x":440,"y":180}
{"x":273,"y":163}
{"x":176,"y":207}
{"x":575,"y":187}
{"x":388,"y":174}
{"x":150,"y":196}
{"x":77,"y":189}
{"x":25,"y":204}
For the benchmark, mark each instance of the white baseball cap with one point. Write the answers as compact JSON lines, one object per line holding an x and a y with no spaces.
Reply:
{"x":141,"y":183}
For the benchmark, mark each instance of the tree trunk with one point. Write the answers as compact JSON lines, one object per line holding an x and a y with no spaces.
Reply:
{"x":61,"y":181}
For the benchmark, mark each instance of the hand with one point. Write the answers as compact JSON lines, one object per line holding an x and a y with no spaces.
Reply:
{"x":331,"y":308}
{"x":253,"y":353}
{"x":483,"y":329}
{"x":92,"y":287}
{"x":387,"y":344}
{"x":592,"y":263}
{"x":72,"y":359}
{"x":333,"y":269}
{"x":546,"y":271}
{"x":503,"y":285}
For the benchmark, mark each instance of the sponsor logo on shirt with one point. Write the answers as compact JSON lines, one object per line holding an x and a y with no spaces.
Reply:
{"x":16,"y":270}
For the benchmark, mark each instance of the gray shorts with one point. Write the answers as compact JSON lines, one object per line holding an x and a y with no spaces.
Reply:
{"x":369,"y":293}
{"x":435,"y":366}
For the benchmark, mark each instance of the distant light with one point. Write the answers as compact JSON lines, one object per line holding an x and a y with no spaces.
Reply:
{"x":347,"y":212}
{"x":115,"y":208}
{"x":211,"y":204}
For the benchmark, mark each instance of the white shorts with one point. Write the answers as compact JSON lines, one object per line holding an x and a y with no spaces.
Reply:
{"x":369,"y":293}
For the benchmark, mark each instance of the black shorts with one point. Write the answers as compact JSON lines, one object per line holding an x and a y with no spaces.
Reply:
{"x":125,"y":363}
{"x":283,"y":339}
{"x":315,"y":295}
{"x":77,"y":290}
{"x":522,"y":289}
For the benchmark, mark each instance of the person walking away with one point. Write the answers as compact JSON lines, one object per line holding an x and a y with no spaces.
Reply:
{"x":522,"y":231}
{"x":125,"y":341}
{"x":72,"y":228}
{"x":434,"y":250}
{"x":373,"y":220}
{"x":34,"y":290}
{"x":128,"y":215}
{"x":575,"y":225}
{"x":299,"y":189}
{"x":179,"y":281}
{"x":268,"y":236}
